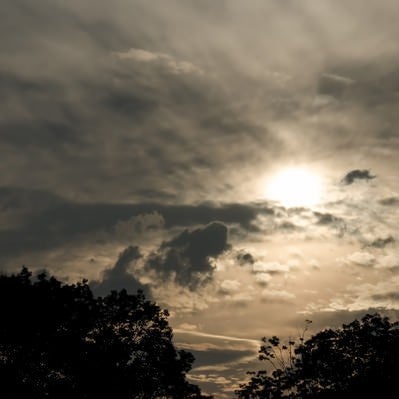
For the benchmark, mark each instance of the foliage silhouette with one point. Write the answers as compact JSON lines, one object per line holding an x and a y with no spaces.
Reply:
{"x":359,"y":360}
{"x":59,"y":341}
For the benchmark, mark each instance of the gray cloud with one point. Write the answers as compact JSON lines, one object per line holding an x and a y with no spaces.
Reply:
{"x":94,"y":98}
{"x":185,"y":258}
{"x":357,"y":174}
{"x":382,"y":242}
{"x":328,"y":319}
{"x":245,"y":258}
{"x":62,"y":115}
{"x":327,"y":218}
{"x":391,"y":201}
{"x":334,"y":85}
{"x":219,"y":357}
{"x":39,"y":220}
{"x":387,"y":296}
{"x":330,"y":220}
{"x":364,"y":258}
{"x":286,"y":226}
{"x":119,"y":276}
{"x":276,"y":296}
{"x":358,"y":83}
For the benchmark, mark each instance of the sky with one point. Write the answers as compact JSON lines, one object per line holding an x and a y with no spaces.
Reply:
{"x":235,"y":160}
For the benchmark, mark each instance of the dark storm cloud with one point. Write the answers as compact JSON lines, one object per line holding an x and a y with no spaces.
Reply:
{"x":186,"y":258}
{"x":357,"y":174}
{"x":41,"y":220}
{"x":119,"y":276}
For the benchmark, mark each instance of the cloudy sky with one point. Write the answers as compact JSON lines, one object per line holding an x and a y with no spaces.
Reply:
{"x":236,"y":160}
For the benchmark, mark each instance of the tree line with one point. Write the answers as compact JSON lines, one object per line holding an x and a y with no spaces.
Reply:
{"x":60,"y":341}
{"x":358,"y":360}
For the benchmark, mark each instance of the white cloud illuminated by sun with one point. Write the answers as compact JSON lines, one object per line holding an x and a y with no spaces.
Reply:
{"x":294,"y":187}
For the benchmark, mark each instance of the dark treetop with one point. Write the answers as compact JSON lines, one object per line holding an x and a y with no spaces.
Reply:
{"x":59,"y":341}
{"x":359,"y":360}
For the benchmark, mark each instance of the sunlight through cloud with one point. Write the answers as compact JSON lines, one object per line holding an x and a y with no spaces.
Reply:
{"x":295,"y":187}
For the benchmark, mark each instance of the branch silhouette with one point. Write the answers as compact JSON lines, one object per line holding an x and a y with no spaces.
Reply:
{"x":59,"y":341}
{"x":359,"y":360}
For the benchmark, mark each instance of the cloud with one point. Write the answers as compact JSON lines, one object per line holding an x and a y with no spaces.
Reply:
{"x":210,"y":378}
{"x":387,"y":297}
{"x":174,"y":66}
{"x":163,"y":112}
{"x":377,"y":261}
{"x":362,"y":258}
{"x":136,"y":225}
{"x":24,"y":199}
{"x":39,"y":220}
{"x":229,"y":286}
{"x":209,"y":358}
{"x":382,"y":242}
{"x":332,"y":221}
{"x":217,"y":355}
{"x":229,"y":342}
{"x":62,"y":115}
{"x":328,"y":219}
{"x":357,"y":174}
{"x":186,"y":258}
{"x":389,"y":261}
{"x":276,"y":296}
{"x":334,"y":85}
{"x":390,"y":201}
{"x":263,"y":278}
{"x":342,"y":79}
{"x":140,"y":55}
{"x":119,"y":276}
{"x":335,"y":319}
{"x":270,"y":267}
{"x":187,"y":327}
{"x":245,"y":258}
{"x":382,"y":294}
{"x":286,"y":226}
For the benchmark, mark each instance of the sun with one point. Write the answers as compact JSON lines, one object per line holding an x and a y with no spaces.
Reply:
{"x":295,"y":187}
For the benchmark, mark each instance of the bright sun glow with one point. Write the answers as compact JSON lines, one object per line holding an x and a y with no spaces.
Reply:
{"x":295,"y":187}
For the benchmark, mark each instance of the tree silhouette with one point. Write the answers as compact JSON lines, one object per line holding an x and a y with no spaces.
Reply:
{"x":59,"y":341}
{"x":359,"y":360}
